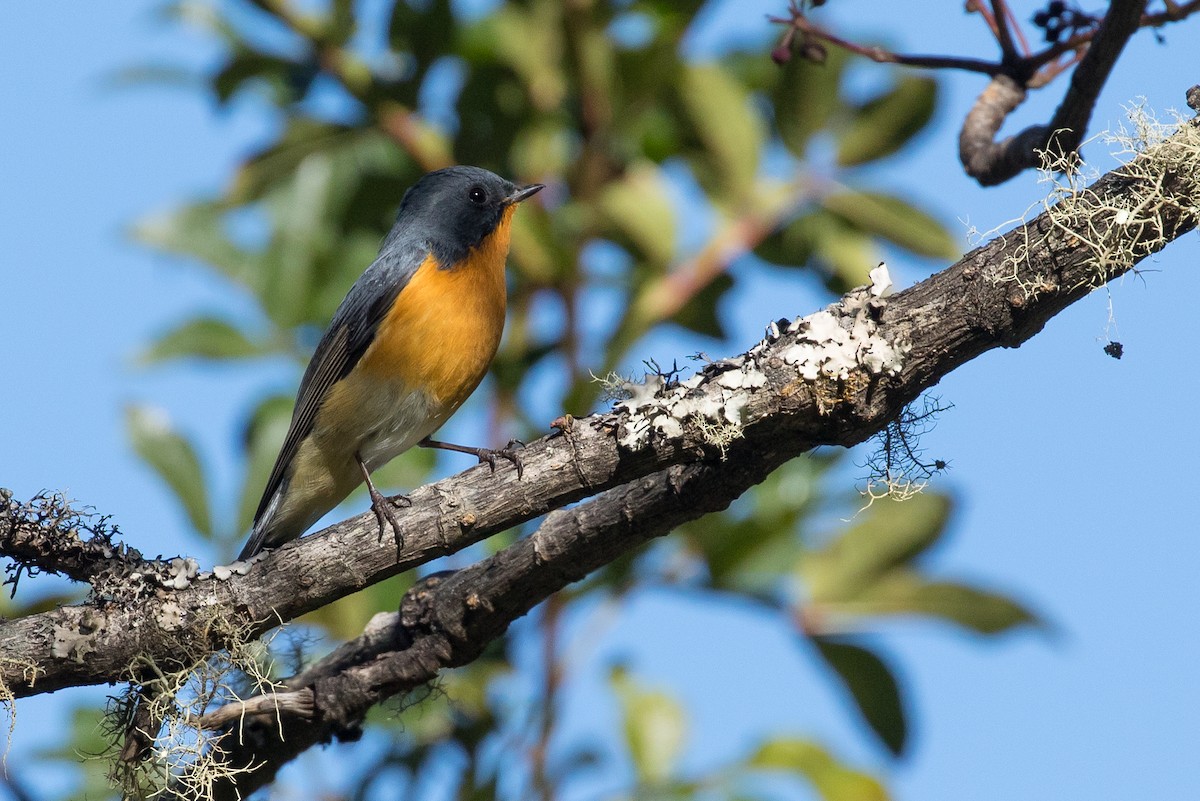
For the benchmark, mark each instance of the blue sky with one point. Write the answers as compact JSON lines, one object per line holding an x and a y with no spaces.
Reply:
{"x":1072,"y":471}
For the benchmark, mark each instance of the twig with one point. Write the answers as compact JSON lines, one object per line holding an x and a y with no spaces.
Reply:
{"x":1004,"y":33}
{"x":297,"y":703}
{"x":884,"y":56}
{"x":1093,"y":53}
{"x":991,"y":162}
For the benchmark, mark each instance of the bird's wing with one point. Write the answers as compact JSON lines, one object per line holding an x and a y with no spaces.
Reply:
{"x":347,"y":339}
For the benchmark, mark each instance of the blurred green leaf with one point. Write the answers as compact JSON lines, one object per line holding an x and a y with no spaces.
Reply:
{"x":872,"y":686}
{"x":847,"y":255}
{"x":640,"y":208}
{"x":719,"y":109}
{"x":198,"y":231}
{"x":793,"y":244}
{"x":895,"y":220}
{"x":11,"y":607}
{"x":279,"y":161}
{"x":902,"y":591}
{"x":699,"y":314}
{"x":204,"y":338}
{"x":291,"y":273}
{"x":888,"y":534}
{"x":423,"y":30}
{"x":972,"y":608}
{"x":832,"y":780}
{"x":529,"y":40}
{"x":289,"y":80}
{"x":825,"y":241}
{"x":654,"y":728}
{"x":174,"y":459}
{"x":806,"y":96}
{"x":544,"y":147}
{"x":883,"y":125}
{"x":342,"y":23}
{"x":750,"y":552}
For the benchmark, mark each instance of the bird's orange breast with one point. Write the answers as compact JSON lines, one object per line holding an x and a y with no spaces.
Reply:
{"x":445,"y":325}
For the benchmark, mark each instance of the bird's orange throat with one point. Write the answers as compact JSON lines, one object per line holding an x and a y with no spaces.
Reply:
{"x":445,"y":325}
{"x":492,"y":252}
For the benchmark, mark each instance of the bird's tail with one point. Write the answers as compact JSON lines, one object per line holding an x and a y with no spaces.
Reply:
{"x":262,"y":527}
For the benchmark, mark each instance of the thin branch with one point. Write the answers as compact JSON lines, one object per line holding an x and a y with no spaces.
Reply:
{"x":1174,"y":12}
{"x":298,"y":703}
{"x":885,"y":56}
{"x":1093,"y":53}
{"x":1088,"y":79}
{"x":977,"y":7}
{"x":1004,"y":34}
{"x":991,"y":162}
{"x":1016,"y":28}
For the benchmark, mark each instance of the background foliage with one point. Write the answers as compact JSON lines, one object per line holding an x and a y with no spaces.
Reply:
{"x":662,"y":169}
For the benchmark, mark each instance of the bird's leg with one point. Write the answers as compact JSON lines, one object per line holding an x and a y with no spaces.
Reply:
{"x":382,"y":506}
{"x":485,"y":455}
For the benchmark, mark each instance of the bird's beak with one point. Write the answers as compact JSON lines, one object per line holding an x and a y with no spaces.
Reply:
{"x":523,"y":193}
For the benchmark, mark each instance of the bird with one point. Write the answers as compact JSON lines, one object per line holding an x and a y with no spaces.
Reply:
{"x":410,"y":342}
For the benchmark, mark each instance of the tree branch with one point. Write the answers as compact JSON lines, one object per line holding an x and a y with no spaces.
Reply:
{"x":1095,"y":51}
{"x":447,"y":620}
{"x":44,"y":535}
{"x":672,"y":453}
{"x":991,"y":162}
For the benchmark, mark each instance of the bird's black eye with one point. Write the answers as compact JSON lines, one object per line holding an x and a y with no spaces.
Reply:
{"x":477,"y":195}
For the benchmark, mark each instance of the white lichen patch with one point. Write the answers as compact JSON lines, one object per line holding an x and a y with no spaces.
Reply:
{"x":238,"y":568}
{"x":660,"y":407}
{"x":881,"y":281}
{"x":179,"y":572}
{"x":171,"y":616}
{"x":834,"y":345}
{"x":836,"y":349}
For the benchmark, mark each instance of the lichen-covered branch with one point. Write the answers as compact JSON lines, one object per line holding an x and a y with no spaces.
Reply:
{"x":448,"y":619}
{"x":48,"y":535}
{"x":669,"y":452}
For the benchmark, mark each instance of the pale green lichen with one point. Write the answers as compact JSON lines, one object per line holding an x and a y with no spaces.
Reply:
{"x":1161,"y":168}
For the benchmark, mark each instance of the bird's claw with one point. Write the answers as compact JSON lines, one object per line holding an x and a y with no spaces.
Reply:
{"x":488,"y":456}
{"x":382,"y":507}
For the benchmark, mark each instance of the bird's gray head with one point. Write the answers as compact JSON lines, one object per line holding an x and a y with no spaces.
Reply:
{"x":452,"y":210}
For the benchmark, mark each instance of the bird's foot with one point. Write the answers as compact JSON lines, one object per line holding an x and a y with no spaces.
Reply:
{"x":382,"y":507}
{"x":485,"y":455}
{"x":386,"y":516}
{"x":488,"y":455}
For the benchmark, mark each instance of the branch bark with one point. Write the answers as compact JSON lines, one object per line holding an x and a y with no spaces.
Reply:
{"x":670,"y":453}
{"x":991,"y":162}
{"x":447,"y":620}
